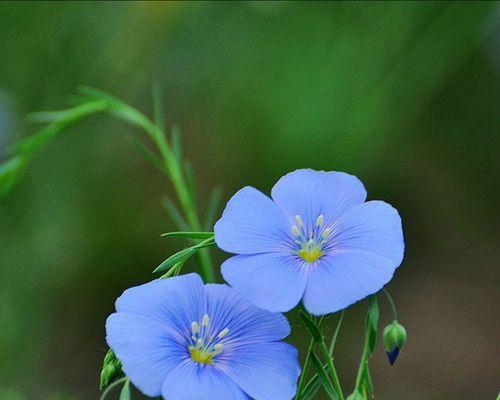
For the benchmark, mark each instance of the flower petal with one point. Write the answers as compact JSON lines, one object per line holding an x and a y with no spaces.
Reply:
{"x":272,"y":281}
{"x":176,"y":301}
{"x":146,"y":349}
{"x":246,"y":322}
{"x":367,"y":247}
{"x":251,"y":223}
{"x":192,"y":381}
{"x":311,"y":193}
{"x":265,"y":371}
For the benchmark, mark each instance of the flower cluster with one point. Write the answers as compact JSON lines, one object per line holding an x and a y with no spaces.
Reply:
{"x":316,"y":241}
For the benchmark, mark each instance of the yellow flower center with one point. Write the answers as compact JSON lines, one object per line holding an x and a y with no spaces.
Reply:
{"x":200,"y":355}
{"x":205,"y":346}
{"x":310,"y":254}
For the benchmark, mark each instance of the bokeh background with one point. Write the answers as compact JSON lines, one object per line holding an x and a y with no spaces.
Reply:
{"x":404,"y":95}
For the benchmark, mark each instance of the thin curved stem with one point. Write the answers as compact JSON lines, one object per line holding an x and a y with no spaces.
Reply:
{"x":112,"y":386}
{"x":305,"y":370}
{"x":333,"y":371}
{"x":391,"y":303}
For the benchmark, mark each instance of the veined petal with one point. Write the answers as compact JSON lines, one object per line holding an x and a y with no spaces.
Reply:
{"x":175,"y":301}
{"x":251,"y":223}
{"x":146,"y":349}
{"x":272,"y":281}
{"x":265,"y":371}
{"x":246,"y":323}
{"x":192,"y":381}
{"x":366,"y":248}
{"x":311,"y":193}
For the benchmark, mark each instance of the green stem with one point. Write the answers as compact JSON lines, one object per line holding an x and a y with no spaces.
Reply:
{"x":112,"y":386}
{"x":392,"y":304}
{"x":305,"y":370}
{"x":333,"y":371}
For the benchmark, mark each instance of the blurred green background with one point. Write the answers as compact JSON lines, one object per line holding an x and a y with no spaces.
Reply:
{"x":404,"y":95}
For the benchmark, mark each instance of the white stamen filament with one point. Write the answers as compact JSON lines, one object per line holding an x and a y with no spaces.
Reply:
{"x":320,"y":220}
{"x":205,"y":320}
{"x":299,"y":221}
{"x":223,"y":333}
{"x":195,"y":328}
{"x":295,"y":231}
{"x":326,"y":232}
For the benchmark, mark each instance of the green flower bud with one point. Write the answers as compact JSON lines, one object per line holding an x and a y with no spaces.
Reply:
{"x":111,"y":367}
{"x":394,"y":339}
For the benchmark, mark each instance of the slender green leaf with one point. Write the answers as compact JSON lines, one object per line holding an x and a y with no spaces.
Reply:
{"x":311,"y":326}
{"x":48,"y":133}
{"x":183,"y":255}
{"x":333,"y":341}
{"x":369,"y":382}
{"x":125,"y":393}
{"x":148,"y":154}
{"x":11,"y":172}
{"x":188,"y":168}
{"x":212,"y":208}
{"x":372,"y":322}
{"x":159,"y":116}
{"x":189,"y":235}
{"x":175,"y":214}
{"x":174,"y":271}
{"x":327,"y":384}
{"x":311,"y":388}
{"x":176,"y":141}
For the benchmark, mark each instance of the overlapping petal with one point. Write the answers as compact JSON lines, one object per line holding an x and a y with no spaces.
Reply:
{"x":273,"y":281}
{"x":265,"y":371}
{"x":190,"y":381}
{"x":367,"y":246}
{"x":246,"y":322}
{"x":311,"y":193}
{"x":176,"y":301}
{"x":251,"y":223}
{"x":146,"y":348}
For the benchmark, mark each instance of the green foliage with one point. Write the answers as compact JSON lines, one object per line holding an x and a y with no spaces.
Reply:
{"x":111,"y":368}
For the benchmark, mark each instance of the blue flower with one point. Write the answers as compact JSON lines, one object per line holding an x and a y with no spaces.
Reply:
{"x":317,"y":241}
{"x":187,"y":341}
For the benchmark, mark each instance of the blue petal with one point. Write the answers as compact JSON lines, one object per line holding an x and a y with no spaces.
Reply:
{"x":146,"y":348}
{"x":367,"y":247}
{"x":175,"y":301}
{"x":192,"y":381}
{"x":251,"y":223}
{"x":272,"y":281}
{"x":310,"y":193}
{"x":246,"y":322}
{"x":265,"y":371}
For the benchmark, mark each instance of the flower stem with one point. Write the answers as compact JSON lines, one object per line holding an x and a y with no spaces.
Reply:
{"x":333,"y":371}
{"x":392,"y":304}
{"x":305,"y":370}
{"x":112,"y":386}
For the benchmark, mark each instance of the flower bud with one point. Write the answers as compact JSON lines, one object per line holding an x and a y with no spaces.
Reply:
{"x":394,"y":339}
{"x":111,"y":367}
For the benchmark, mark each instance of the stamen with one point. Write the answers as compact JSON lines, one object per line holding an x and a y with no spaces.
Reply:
{"x":205,"y":320}
{"x":195,"y":328}
{"x":320,"y":220}
{"x":295,"y":231}
{"x":299,"y":221}
{"x":223,"y":333}
{"x":326,"y":232}
{"x":200,"y":343}
{"x":218,"y":347}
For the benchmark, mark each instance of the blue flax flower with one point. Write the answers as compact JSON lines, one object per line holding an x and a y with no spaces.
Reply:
{"x":187,"y":341}
{"x":316,"y":240}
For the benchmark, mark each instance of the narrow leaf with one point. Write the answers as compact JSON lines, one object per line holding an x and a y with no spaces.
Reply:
{"x":125,"y":393}
{"x":311,"y":388}
{"x":174,"y":271}
{"x":327,"y":384}
{"x":158,"y":108}
{"x":147,"y":154}
{"x":189,"y":235}
{"x":372,"y":322}
{"x":183,"y":255}
{"x":212,"y":208}
{"x":336,"y":333}
{"x":176,"y":141}
{"x":188,"y":168}
{"x":11,"y":172}
{"x":175,"y":214}
{"x":311,"y":326}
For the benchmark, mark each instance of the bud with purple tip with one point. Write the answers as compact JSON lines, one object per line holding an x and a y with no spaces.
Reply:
{"x":394,"y":339}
